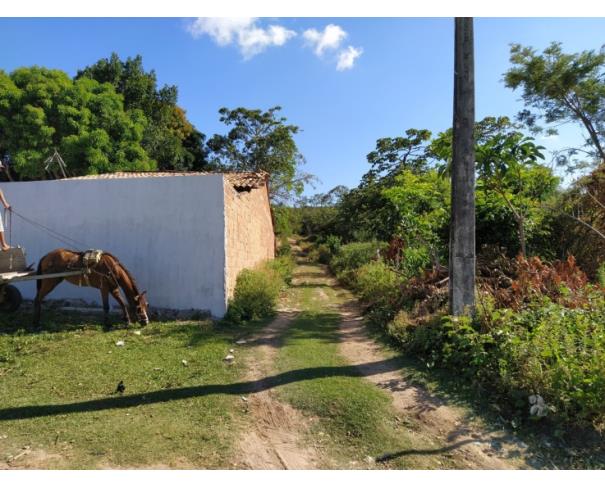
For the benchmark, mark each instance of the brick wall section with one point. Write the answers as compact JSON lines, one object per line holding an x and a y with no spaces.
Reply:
{"x":249,"y":237}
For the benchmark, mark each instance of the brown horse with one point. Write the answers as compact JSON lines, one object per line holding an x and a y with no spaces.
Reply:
{"x":108,"y":275}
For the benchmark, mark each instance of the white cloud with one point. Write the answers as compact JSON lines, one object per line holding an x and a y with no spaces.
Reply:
{"x":243,"y":31}
{"x":328,"y":39}
{"x":347,"y":57}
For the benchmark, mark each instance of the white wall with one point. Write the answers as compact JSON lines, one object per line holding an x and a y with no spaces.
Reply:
{"x":168,"y":231}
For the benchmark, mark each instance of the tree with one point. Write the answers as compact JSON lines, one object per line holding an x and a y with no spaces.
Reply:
{"x":422,"y":202}
{"x":393,"y":154}
{"x":462,"y":233}
{"x":260,"y":141}
{"x":42,"y":110}
{"x":562,"y":88}
{"x":581,"y":222}
{"x":507,"y":166}
{"x":169,"y":137}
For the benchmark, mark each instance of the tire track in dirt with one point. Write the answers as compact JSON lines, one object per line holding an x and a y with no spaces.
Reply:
{"x":276,"y":437}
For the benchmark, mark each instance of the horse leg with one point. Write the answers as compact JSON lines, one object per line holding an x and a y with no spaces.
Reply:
{"x":118,"y":297}
{"x":44,"y":288}
{"x":105,"y":299}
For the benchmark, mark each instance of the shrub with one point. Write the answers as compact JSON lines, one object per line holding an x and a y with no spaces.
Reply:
{"x":377,"y":285}
{"x":333,"y":243}
{"x":284,"y":266}
{"x":601,"y":275}
{"x":324,"y":251}
{"x":322,"y":254}
{"x":351,"y":257}
{"x":284,"y":249}
{"x":256,"y":292}
{"x":558,"y":353}
{"x":562,"y":281}
{"x":545,"y":349}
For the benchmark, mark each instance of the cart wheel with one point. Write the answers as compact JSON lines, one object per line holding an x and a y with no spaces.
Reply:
{"x":11,"y":299}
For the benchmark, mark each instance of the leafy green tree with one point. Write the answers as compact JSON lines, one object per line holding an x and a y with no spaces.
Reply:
{"x":440,"y":147}
{"x":365,"y":213}
{"x":169,"y":137}
{"x":382,"y":206}
{"x":508,"y":167}
{"x":393,"y":154}
{"x":42,"y":110}
{"x":260,"y":141}
{"x":562,"y":88}
{"x":316,"y":214}
{"x":423,"y":207}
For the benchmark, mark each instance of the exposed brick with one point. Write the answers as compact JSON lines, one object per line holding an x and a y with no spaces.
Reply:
{"x":249,"y":231}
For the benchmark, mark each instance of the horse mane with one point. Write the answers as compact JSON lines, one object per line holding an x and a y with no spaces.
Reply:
{"x":126,"y":271}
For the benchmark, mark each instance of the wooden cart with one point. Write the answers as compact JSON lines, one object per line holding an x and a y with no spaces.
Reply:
{"x":13,"y":268}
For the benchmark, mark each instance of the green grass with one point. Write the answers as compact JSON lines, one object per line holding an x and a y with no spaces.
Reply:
{"x":357,"y":416}
{"x":57,"y":394}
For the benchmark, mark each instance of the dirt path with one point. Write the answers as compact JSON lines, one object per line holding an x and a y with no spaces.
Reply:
{"x":470,"y":445}
{"x":467,"y":443}
{"x":276,"y":439}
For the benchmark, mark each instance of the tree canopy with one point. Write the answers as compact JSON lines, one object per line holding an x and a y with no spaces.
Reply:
{"x":559,"y":88}
{"x":113,"y":116}
{"x":43,"y":109}
{"x":260,"y":141}
{"x":405,"y":193}
{"x":169,"y":138}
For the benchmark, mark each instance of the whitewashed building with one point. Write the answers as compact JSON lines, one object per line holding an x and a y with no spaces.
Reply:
{"x":184,"y":236}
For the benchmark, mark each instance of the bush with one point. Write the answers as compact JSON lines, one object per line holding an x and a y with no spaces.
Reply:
{"x":351,"y":257}
{"x":256,"y":292}
{"x":377,"y":285}
{"x":545,"y":349}
{"x":333,"y":243}
{"x":601,"y":275}
{"x":324,"y":250}
{"x":284,"y":249}
{"x":284,"y":266}
{"x":322,"y":254}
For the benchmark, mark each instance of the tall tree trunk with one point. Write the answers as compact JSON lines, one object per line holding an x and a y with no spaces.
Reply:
{"x":462,"y":230}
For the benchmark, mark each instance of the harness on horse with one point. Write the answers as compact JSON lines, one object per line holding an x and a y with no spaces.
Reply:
{"x":90,"y":259}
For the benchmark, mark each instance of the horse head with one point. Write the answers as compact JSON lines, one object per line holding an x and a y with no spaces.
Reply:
{"x":140,"y":308}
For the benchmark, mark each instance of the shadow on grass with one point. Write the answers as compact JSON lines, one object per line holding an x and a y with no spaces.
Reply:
{"x":161,"y":396}
{"x":429,"y":451}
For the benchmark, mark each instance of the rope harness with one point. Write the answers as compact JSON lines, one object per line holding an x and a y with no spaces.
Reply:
{"x":78,"y":245}
{"x":90,"y":260}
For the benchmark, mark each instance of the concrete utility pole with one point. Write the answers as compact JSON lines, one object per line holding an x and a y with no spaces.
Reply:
{"x":462,"y":229}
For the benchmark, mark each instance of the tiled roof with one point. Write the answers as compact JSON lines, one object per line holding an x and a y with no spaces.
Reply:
{"x":239,"y":180}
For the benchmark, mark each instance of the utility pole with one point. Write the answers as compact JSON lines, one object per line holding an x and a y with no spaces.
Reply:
{"x":462,"y":229}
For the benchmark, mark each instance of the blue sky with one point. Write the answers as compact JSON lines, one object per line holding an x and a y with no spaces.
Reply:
{"x":401,"y":78}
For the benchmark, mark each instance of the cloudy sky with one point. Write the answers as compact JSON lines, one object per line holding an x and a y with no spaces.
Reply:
{"x":345,"y":82}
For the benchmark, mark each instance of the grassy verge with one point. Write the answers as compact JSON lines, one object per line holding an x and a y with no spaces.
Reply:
{"x":59,"y":406}
{"x":355,"y":419}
